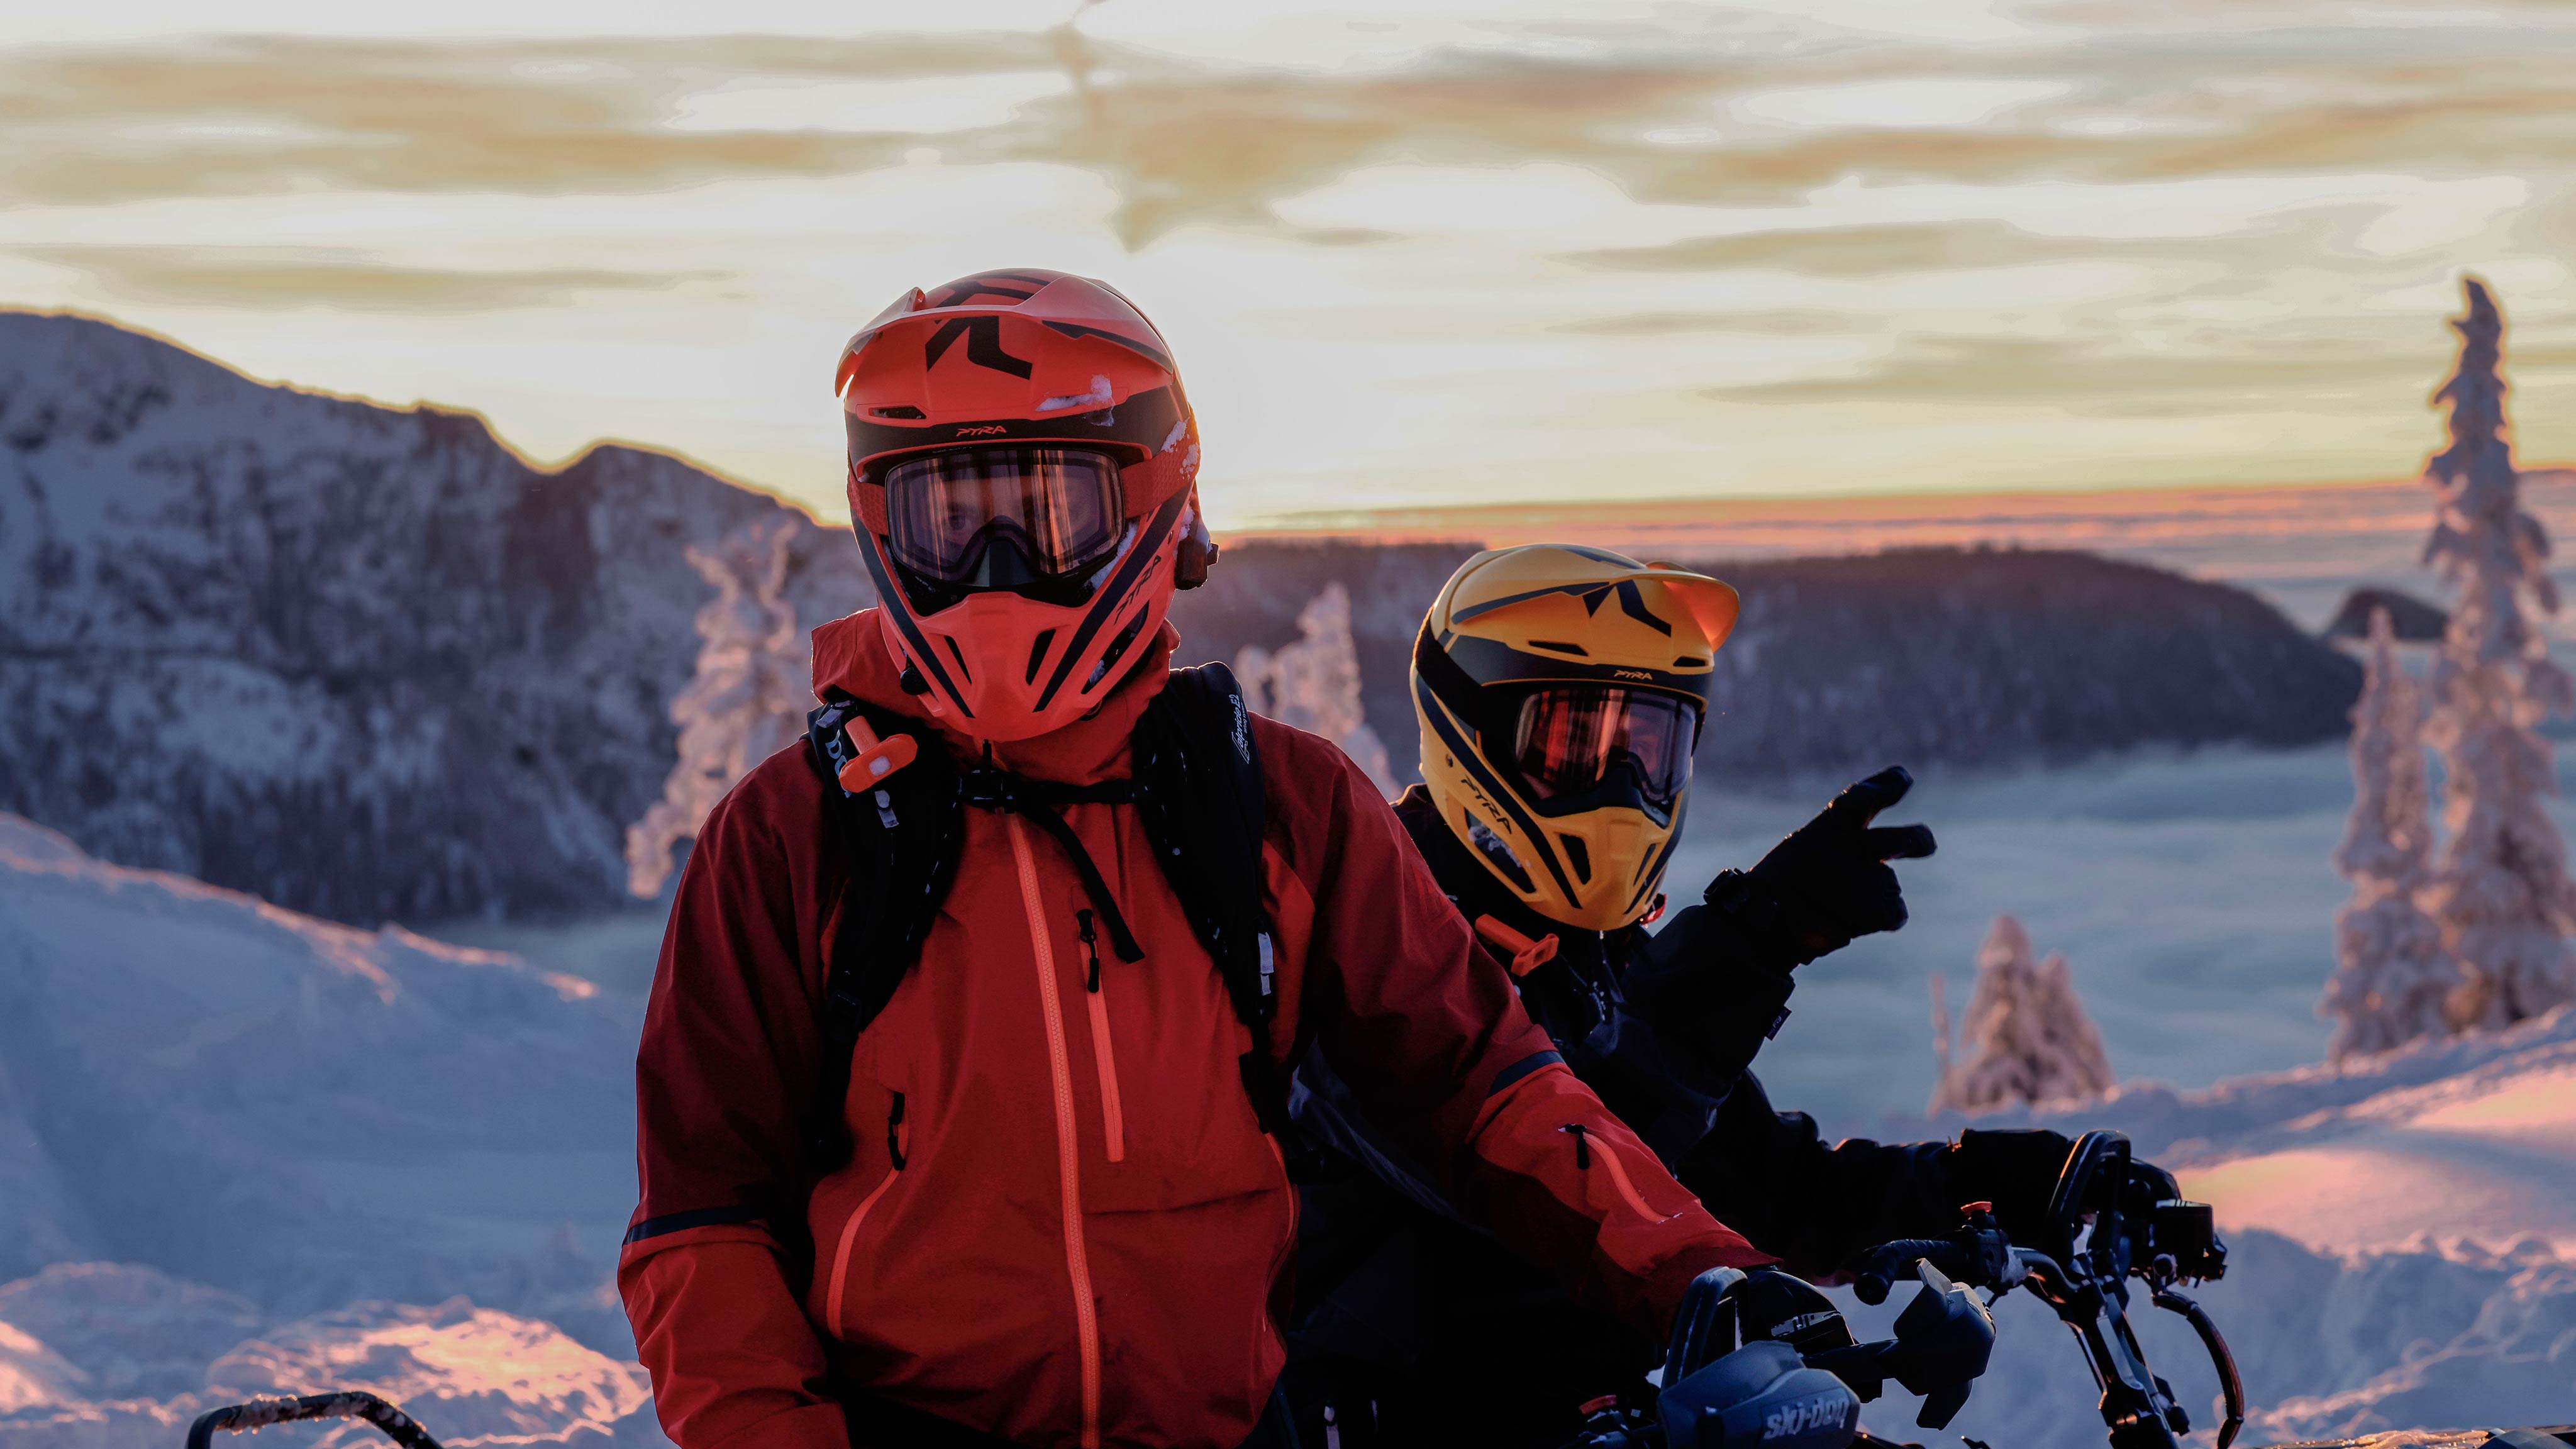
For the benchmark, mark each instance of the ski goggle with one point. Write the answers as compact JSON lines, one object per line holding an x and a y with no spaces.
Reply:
{"x":1578,"y":746}
{"x":999,"y":517}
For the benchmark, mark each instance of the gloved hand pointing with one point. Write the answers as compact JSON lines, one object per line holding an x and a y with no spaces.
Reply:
{"x":1829,"y":880}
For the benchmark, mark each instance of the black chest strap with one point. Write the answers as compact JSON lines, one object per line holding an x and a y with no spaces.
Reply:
{"x":1038,"y":802}
{"x":1196,"y":785}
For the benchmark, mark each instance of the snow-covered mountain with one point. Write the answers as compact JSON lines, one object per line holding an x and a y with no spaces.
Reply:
{"x":368,"y":662}
{"x":364,"y":661}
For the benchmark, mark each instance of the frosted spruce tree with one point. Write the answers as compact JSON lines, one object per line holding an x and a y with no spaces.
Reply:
{"x":2024,"y":1037}
{"x":2501,"y":891}
{"x":1314,"y":683}
{"x":2393,"y":976}
{"x":753,"y":687}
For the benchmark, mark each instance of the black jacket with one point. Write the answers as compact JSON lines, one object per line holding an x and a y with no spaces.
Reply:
{"x":1405,"y":1308}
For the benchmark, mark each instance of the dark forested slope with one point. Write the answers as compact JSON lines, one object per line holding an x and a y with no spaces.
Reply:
{"x":1925,"y":656}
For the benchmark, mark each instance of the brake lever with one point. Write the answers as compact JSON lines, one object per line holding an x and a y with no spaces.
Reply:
{"x":2231,"y":1386}
{"x":1976,"y":1253}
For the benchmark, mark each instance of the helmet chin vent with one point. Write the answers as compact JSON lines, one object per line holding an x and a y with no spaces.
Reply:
{"x":1578,"y":855}
{"x":1498,"y":851}
{"x":1038,"y":653}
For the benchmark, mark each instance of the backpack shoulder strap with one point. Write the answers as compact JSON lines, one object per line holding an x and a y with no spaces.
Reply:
{"x":1202,"y":804}
{"x":896,"y":841}
{"x":1201,"y":798}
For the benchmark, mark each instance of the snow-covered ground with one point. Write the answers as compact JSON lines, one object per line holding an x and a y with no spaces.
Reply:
{"x":105,"y":1356}
{"x":2404,"y":1248}
{"x":2404,"y":1232}
{"x":189,"y":1072}
{"x":286,"y":1131}
{"x":2192,"y":896}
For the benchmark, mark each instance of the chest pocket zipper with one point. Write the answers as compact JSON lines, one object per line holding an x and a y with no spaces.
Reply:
{"x":896,"y":1139}
{"x":1113,"y":1119}
{"x":1584,"y":1151}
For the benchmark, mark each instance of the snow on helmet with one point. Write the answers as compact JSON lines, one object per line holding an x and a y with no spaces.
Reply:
{"x":1560,"y":692}
{"x":1022,"y":481}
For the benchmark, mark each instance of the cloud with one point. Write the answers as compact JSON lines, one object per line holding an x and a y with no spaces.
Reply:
{"x":270,"y":115}
{"x":1783,"y":322}
{"x":1847,"y":251}
{"x":2093,"y":380}
{"x":265,"y":277}
{"x":1182,"y":141}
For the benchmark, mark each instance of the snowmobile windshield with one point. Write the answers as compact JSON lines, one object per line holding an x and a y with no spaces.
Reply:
{"x":1000,"y":517}
{"x":1572,"y":742}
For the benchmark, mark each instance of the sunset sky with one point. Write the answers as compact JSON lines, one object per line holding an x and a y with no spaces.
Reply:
{"x":1426,"y":256}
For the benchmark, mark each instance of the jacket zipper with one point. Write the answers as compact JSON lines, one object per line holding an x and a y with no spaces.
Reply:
{"x":895,"y":1137}
{"x":1068,"y":1151}
{"x":1113,"y":1120}
{"x":1583,"y":1154}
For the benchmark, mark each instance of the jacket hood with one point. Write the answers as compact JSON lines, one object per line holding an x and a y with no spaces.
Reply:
{"x":850,"y":656}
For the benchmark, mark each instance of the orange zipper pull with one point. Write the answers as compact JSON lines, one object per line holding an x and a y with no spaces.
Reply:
{"x":872,"y":759}
{"x":1522,"y":955}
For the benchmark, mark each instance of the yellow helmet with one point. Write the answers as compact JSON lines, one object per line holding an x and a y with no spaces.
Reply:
{"x":1560,"y":691}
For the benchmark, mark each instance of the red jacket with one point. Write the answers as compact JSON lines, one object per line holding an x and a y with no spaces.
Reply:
{"x":1061,"y":1222}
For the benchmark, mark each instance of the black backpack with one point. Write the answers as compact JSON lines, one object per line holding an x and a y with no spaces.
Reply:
{"x":1196,"y":783}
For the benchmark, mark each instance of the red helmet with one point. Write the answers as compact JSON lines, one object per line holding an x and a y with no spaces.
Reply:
{"x":1022,"y":470}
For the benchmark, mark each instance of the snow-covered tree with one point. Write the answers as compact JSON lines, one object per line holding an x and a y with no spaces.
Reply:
{"x":1314,"y":683}
{"x":2025,"y":1036}
{"x":2501,"y":891}
{"x":753,"y":687}
{"x":2393,"y":977}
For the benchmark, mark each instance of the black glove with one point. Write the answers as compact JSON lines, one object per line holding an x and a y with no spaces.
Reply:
{"x":2017,"y":1169}
{"x":1828,"y":881}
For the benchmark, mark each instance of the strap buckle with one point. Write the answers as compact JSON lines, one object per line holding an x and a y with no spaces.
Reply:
{"x":988,"y":789}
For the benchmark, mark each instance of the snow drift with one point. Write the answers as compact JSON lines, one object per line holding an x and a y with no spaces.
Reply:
{"x":295,"y":1112}
{"x":71,"y":1339}
{"x":2404,"y":1236}
{"x":236,"y":1142}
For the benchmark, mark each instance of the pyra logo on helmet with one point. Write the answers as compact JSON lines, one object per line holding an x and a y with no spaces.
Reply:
{"x":1560,"y":692}
{"x":1023,"y":469}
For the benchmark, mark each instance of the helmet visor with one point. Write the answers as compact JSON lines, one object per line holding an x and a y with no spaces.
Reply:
{"x":1573,"y":741}
{"x":1057,"y":509}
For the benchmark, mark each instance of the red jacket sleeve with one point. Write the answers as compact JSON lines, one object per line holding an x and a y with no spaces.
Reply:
{"x":728,"y":1060}
{"x":1427,"y":1029}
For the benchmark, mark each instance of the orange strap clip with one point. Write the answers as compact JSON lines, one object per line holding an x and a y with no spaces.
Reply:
{"x":1525,"y":954}
{"x":872,"y":759}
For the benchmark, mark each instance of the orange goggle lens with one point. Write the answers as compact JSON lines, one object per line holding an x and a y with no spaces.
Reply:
{"x":958,"y":516}
{"x":1575,"y":740}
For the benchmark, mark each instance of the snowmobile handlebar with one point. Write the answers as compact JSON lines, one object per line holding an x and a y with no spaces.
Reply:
{"x":1762,"y":1358}
{"x":347,"y":1404}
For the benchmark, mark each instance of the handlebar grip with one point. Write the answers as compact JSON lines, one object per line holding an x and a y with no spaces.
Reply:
{"x":1888,"y":1262}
